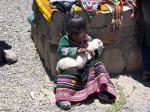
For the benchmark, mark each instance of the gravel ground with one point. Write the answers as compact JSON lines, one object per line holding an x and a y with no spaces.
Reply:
{"x":139,"y":99}
{"x":25,"y":86}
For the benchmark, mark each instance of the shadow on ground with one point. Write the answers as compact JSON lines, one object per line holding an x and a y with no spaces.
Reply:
{"x":135,"y":75}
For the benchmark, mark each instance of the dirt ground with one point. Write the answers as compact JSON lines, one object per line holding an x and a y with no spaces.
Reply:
{"x":25,"y":86}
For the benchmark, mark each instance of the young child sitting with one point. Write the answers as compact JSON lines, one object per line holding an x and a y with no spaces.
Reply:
{"x":76,"y":84}
{"x":81,"y":59}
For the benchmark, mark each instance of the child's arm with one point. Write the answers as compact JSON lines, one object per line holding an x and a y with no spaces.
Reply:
{"x":64,"y":49}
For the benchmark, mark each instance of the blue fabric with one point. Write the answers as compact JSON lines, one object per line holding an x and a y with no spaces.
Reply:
{"x":146,"y":58}
{"x":30,"y":17}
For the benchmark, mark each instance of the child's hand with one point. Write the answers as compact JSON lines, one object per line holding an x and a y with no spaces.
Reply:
{"x":92,"y":52}
{"x":81,"y":50}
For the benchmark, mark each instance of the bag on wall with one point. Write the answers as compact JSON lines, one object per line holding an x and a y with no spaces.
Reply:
{"x":90,"y":5}
{"x":63,"y":5}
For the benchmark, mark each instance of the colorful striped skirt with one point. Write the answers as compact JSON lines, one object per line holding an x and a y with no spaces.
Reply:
{"x":76,"y":85}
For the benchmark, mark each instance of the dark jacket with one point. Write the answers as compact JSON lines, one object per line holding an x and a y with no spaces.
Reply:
{"x":144,"y":23}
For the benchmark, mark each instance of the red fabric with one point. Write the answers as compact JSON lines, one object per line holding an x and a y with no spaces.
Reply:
{"x":100,"y":80}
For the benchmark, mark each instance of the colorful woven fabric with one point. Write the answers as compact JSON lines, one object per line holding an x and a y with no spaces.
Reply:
{"x":90,"y":5}
{"x":73,"y":86}
{"x":45,"y":8}
{"x":96,"y":6}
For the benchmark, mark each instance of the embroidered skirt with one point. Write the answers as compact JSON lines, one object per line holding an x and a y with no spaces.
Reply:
{"x":76,"y":85}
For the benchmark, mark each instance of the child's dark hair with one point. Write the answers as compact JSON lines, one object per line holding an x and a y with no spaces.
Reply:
{"x":76,"y":25}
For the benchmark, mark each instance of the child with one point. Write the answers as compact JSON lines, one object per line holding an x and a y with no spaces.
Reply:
{"x":80,"y":61}
{"x":73,"y":84}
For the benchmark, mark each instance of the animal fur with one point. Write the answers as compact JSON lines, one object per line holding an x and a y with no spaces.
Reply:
{"x":81,"y":59}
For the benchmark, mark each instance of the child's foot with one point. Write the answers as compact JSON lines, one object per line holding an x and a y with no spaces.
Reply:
{"x":64,"y":104}
{"x":104,"y":96}
{"x":146,"y":75}
{"x":7,"y":56}
{"x":10,"y":56}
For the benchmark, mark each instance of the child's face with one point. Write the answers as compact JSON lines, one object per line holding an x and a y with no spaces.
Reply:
{"x":80,"y":38}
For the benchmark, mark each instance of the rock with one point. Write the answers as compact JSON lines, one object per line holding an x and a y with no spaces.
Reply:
{"x":5,"y":33}
{"x":117,"y":44}
{"x":51,"y":58}
{"x":100,"y":20}
{"x":39,"y":40}
{"x":37,"y":95}
{"x":114,"y":60}
{"x":55,"y":28}
{"x":127,"y":20}
{"x":47,"y":57}
{"x":134,"y":62}
{"x":109,"y":38}
{"x":32,"y":94}
{"x":17,"y":30}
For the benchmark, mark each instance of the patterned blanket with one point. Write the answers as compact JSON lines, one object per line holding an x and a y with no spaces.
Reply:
{"x":76,"y":85}
{"x":47,"y":10}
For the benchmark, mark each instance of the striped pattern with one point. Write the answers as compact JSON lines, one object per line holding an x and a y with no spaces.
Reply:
{"x":45,"y":8}
{"x":73,"y":88}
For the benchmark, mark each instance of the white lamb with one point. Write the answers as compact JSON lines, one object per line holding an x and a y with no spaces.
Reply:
{"x":81,"y":59}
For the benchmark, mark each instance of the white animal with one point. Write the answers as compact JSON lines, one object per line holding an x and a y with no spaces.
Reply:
{"x":81,"y":59}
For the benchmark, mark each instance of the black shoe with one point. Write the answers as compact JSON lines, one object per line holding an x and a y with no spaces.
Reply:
{"x":7,"y":56}
{"x":104,"y":96}
{"x":66,"y":105}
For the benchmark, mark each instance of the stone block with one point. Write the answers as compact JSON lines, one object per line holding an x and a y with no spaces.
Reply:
{"x":134,"y":62}
{"x":127,"y":20}
{"x":55,"y":27}
{"x":114,"y":60}
{"x":109,"y":38}
{"x":51,"y":58}
{"x":39,"y":40}
{"x":100,"y":20}
{"x":121,"y":50}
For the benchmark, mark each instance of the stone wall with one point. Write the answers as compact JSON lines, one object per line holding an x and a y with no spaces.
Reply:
{"x":121,"y":53}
